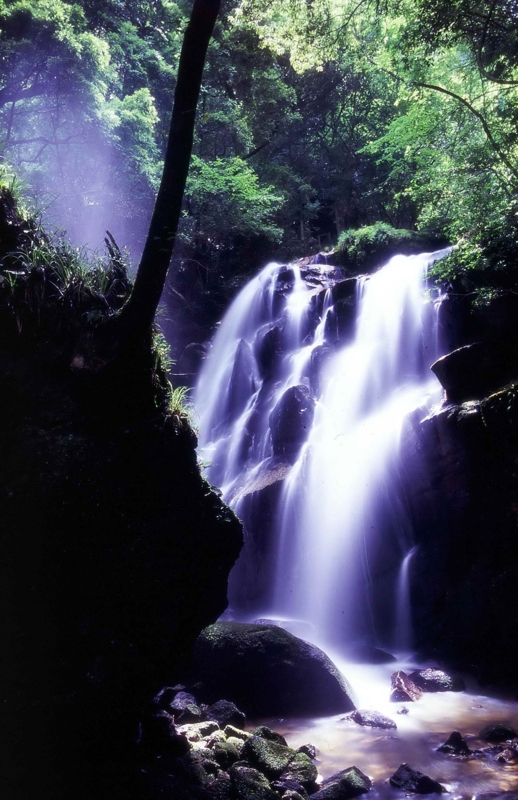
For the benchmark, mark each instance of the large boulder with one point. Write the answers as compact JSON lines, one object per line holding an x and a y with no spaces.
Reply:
{"x":267,"y":671}
{"x":475,"y":370}
{"x":291,"y":421}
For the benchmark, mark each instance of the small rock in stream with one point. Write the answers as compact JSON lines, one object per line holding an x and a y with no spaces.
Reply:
{"x":309,"y":749}
{"x":286,"y":785}
{"x":344,"y":785}
{"x":411,"y":780}
{"x":437,"y":680}
{"x":372,"y":719}
{"x":508,"y":756}
{"x":456,"y":745}
{"x":403,"y":689}
{"x":497,"y":732}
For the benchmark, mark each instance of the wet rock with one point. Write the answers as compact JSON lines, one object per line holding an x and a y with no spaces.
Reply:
{"x":289,"y":788}
{"x":206,"y":760}
{"x":267,"y":733}
{"x":270,"y":471}
{"x":292,"y":795}
{"x":269,"y":348}
{"x":309,"y":749}
{"x":302,"y":770}
{"x":291,"y":421}
{"x":437,"y":680}
{"x":221,"y":787}
{"x":372,"y":719}
{"x":411,"y":780}
{"x":243,"y":380}
{"x":271,"y":758}
{"x":166,"y":696}
{"x":250,"y":784}
{"x":403,"y":689}
{"x":191,"y":713}
{"x":343,"y":785}
{"x":180,"y":701}
{"x":237,"y":743}
{"x":226,"y":754}
{"x":497,"y":732}
{"x":456,"y":745}
{"x":215,"y":738}
{"x":507,"y":756}
{"x":295,"y":677}
{"x":476,"y":370}
{"x":198,"y":730}
{"x":402,"y":711}
{"x":226,"y":713}
{"x":237,"y":733}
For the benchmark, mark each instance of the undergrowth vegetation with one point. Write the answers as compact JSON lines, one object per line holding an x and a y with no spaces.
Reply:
{"x":485,"y":262}
{"x":52,"y":291}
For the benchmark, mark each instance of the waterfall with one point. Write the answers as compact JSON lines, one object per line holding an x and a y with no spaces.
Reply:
{"x":303,"y":396}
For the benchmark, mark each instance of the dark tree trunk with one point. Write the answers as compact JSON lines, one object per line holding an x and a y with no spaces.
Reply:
{"x":141,"y":307}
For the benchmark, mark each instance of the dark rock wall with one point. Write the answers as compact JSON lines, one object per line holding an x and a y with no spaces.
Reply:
{"x":461,"y":464}
{"x":114,"y":555}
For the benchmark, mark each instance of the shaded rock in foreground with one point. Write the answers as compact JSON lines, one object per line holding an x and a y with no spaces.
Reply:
{"x":411,"y":780}
{"x":343,"y":785}
{"x":268,"y":671}
{"x":271,"y":758}
{"x":249,"y":783}
{"x":226,"y":713}
{"x":372,"y":719}
{"x":437,"y":680}
{"x":455,"y":745}
{"x":302,"y":770}
{"x":404,"y":690}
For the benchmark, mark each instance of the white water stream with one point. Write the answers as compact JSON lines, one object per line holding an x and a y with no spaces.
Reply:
{"x":341,"y":492}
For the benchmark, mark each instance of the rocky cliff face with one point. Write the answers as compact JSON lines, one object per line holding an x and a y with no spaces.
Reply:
{"x":115,"y":553}
{"x":462,"y":487}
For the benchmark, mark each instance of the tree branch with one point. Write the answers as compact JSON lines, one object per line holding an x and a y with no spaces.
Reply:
{"x":494,"y":144}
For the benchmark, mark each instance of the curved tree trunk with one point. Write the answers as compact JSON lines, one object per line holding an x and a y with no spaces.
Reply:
{"x":139,"y":312}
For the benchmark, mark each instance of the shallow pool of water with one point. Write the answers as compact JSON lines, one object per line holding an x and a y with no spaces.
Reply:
{"x":378,"y":753}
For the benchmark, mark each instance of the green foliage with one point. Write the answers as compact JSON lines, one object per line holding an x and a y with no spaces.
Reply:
{"x":225,"y":200}
{"x":485,"y":263}
{"x":359,"y":246}
{"x":314,"y":118}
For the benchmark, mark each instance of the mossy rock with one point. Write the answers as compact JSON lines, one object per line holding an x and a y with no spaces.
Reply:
{"x":268,"y":671}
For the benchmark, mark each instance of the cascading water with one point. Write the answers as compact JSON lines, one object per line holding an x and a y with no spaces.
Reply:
{"x":309,"y":379}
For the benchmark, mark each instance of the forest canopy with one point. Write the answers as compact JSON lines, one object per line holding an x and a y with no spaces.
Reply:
{"x":314,"y":118}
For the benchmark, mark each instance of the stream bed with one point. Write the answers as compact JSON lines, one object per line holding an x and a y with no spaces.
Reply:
{"x":342,"y":743}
